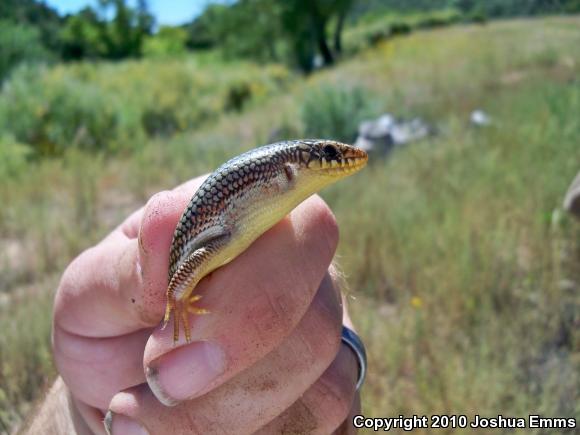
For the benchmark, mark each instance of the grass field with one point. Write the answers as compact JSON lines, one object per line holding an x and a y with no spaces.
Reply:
{"x":462,"y":267}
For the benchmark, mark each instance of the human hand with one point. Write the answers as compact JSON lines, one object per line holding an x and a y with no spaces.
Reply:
{"x":266,"y":360}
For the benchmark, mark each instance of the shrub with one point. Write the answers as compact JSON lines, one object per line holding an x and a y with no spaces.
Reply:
{"x":334,"y":113}
{"x":169,"y":41}
{"x":19,"y":43}
{"x":478,"y":16}
{"x":400,"y":28}
{"x":53,"y":113}
{"x":238,"y":95}
{"x":438,"y":19}
{"x":111,"y":107}
{"x":13,"y":157}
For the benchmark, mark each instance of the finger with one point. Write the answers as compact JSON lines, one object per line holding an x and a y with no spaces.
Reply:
{"x":254,"y":303}
{"x":260,"y":393}
{"x":347,"y":426}
{"x":118,"y":286}
{"x":323,"y":408}
{"x":95,"y":368}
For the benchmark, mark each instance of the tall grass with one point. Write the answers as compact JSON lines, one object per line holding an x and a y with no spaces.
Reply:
{"x":462,"y":267}
{"x":472,"y":265}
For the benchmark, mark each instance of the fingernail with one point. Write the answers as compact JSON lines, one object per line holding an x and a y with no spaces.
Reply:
{"x":121,"y":424}
{"x":184,"y":372}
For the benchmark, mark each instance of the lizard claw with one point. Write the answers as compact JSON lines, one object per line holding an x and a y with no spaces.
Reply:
{"x":195,"y":310}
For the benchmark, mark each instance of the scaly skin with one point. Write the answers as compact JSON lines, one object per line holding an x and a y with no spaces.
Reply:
{"x":240,"y":201}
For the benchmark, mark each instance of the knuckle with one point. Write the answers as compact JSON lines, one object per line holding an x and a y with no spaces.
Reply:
{"x":334,"y":399}
{"x":323,"y":408}
{"x":334,"y":392}
{"x":316,"y":348}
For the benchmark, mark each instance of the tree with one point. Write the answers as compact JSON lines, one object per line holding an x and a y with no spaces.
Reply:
{"x":82,"y":36}
{"x":247,"y":28}
{"x":305,"y":23}
{"x":202,"y":30}
{"x":35,"y":14}
{"x":343,"y":7}
{"x":267,"y":30}
{"x":123,"y":36}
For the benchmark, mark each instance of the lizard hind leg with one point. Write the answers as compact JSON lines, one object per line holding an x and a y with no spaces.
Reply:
{"x":180,"y":299}
{"x":180,"y":314}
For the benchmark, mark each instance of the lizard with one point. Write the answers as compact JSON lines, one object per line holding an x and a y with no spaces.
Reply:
{"x":240,"y":201}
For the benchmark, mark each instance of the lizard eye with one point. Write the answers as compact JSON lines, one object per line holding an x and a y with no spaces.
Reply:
{"x":330,"y":151}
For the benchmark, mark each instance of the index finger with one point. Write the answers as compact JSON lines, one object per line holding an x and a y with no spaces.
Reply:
{"x":118,"y":286}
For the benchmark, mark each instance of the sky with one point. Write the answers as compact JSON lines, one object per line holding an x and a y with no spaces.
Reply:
{"x":169,"y":12}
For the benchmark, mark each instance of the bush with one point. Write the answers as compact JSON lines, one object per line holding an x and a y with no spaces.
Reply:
{"x":19,"y":43}
{"x":438,"y":19}
{"x":168,"y":41}
{"x":111,"y":107}
{"x":479,"y":16}
{"x":400,"y":28}
{"x":375,"y":28}
{"x":334,"y":113}
{"x":53,"y":113}
{"x":13,"y":157}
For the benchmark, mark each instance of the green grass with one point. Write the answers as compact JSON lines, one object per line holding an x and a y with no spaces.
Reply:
{"x":462,"y":266}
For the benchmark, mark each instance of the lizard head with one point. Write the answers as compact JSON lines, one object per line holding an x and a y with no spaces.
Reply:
{"x":308,"y":165}
{"x":330,"y":158}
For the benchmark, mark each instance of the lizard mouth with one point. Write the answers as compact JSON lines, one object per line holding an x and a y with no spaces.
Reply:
{"x":347,"y":161}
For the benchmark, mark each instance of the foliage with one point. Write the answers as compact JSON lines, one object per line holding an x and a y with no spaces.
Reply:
{"x":335,"y":112}
{"x":305,"y":23}
{"x":502,"y":8}
{"x":290,"y":30}
{"x":112,"y":107}
{"x":245,"y":29}
{"x":91,"y":34}
{"x":82,"y":36}
{"x":124,"y":34}
{"x":168,"y":41}
{"x":202,"y":32}
{"x":52,"y":112}
{"x":491,"y":8}
{"x":36,"y":14}
{"x":300,"y":33}
{"x":373,"y":29}
{"x":13,"y":158}
{"x":19,"y":43}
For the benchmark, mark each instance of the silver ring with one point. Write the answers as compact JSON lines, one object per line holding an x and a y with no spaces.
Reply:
{"x":352,"y":340}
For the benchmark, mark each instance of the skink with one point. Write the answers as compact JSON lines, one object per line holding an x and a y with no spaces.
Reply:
{"x":240,"y":201}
